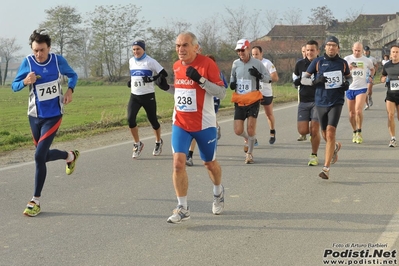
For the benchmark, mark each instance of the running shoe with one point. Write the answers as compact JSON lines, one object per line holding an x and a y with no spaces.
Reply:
{"x":336,"y":150}
{"x":158,"y":148}
{"x":325,"y":173}
{"x":392,"y":143}
{"x":313,"y":160}
{"x":179,"y":214}
{"x":249,"y":159}
{"x":359,"y":138}
{"x":272,"y":139}
{"x":70,"y":167}
{"x":256,"y":143}
{"x":301,"y":138}
{"x":370,"y":101}
{"x":137,"y":148}
{"x":354,"y":137}
{"x":218,"y":203}
{"x":189,"y":161}
{"x":32,"y":209}
{"x":367,"y":106}
{"x":219,"y":132}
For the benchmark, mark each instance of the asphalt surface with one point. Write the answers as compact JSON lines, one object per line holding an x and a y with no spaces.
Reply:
{"x":113,"y":210}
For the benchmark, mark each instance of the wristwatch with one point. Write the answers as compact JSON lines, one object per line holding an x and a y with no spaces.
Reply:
{"x":202,"y":80}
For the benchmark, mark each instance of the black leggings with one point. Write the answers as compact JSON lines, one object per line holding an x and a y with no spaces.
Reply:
{"x":329,"y":116}
{"x":148,"y":102}
{"x":43,"y":133}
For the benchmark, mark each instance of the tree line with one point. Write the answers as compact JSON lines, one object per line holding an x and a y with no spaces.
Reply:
{"x":99,"y":46}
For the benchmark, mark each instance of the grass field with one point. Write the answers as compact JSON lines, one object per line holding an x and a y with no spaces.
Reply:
{"x":94,"y":109}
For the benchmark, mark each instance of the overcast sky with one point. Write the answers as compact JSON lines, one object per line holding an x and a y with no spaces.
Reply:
{"x":19,"y":18}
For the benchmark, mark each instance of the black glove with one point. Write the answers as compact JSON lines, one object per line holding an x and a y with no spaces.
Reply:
{"x":345,"y":86}
{"x":193,"y":74}
{"x":233,"y":86}
{"x":129,"y":83}
{"x":297,"y":82}
{"x":320,"y":79}
{"x":162,"y":83}
{"x":149,"y":79}
{"x":254,"y":72}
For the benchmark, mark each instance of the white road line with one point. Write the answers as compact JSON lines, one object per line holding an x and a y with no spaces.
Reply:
{"x":391,"y":232}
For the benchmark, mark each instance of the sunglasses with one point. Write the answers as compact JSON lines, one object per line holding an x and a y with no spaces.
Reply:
{"x":240,"y":50}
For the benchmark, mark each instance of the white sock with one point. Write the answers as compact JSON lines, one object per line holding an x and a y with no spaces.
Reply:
{"x":393,"y":137}
{"x":70,"y":157}
{"x":182,"y":201}
{"x":217,"y":190}
{"x":36,"y":200}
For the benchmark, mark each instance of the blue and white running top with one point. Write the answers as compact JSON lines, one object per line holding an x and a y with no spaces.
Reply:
{"x":45,"y":95}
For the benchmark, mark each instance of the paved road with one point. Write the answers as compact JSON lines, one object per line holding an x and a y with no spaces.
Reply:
{"x":113,"y":211}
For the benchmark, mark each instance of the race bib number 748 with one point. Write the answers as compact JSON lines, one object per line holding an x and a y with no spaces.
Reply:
{"x":47,"y":91}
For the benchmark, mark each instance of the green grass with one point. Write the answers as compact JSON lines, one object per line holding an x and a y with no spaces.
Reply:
{"x":94,"y":109}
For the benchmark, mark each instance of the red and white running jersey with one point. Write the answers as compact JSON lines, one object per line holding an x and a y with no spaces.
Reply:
{"x":194,"y":107}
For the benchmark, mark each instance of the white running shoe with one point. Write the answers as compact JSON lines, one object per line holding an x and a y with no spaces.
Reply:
{"x":158,"y":148}
{"x":179,"y":214}
{"x":137,"y":148}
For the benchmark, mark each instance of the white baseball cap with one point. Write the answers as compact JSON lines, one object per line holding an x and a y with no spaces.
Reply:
{"x":242,"y":44}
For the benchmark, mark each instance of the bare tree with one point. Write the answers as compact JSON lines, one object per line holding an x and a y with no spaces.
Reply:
{"x":63,"y":22}
{"x":355,"y":28}
{"x":236,"y":24}
{"x":271,"y":18}
{"x":82,"y":55}
{"x":208,"y":34}
{"x":8,"y":50}
{"x":160,"y":44}
{"x":255,"y":25}
{"x":293,"y":16}
{"x":321,"y":15}
{"x":114,"y":28}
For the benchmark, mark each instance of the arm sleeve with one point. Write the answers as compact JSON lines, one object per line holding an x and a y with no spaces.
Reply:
{"x":163,"y":73}
{"x":23,"y":71}
{"x":66,"y":70}
{"x":214,"y":89}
